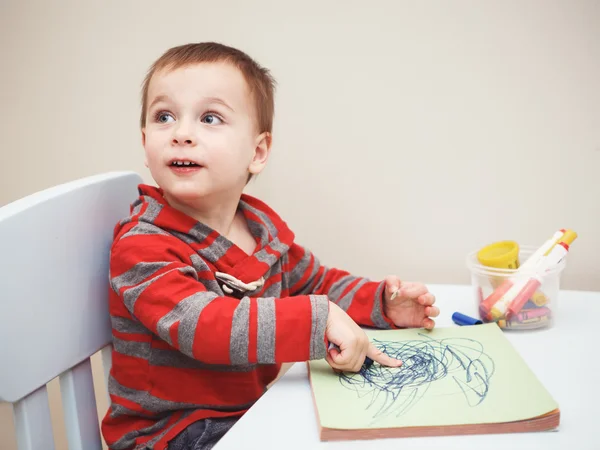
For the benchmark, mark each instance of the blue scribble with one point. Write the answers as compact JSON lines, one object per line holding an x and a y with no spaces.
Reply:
{"x":396,"y":390}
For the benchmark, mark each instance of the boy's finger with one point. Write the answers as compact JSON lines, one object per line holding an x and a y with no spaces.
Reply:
{"x":414,"y":290}
{"x":385,"y":360}
{"x":432,"y":311}
{"x":331,"y":357}
{"x":392,"y":285}
{"x":336,"y":355}
{"x":427,"y":299}
{"x":333,"y":366}
{"x":428,"y":324}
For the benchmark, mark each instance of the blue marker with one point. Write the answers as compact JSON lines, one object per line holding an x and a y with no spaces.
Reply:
{"x":368,"y":361}
{"x":461,"y":319}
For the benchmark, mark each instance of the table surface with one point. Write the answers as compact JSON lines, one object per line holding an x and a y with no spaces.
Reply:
{"x":563,"y":358}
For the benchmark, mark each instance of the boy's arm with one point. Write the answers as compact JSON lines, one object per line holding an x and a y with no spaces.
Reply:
{"x":159,"y":287}
{"x":361,"y":298}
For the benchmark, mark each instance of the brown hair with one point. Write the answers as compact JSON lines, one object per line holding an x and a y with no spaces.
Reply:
{"x":259,"y":80}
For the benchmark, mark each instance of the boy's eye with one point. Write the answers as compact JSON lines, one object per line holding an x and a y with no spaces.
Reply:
{"x":211,"y":119}
{"x":163,"y":117}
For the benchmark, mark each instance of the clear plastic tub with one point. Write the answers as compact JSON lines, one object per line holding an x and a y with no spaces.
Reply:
{"x":534,"y":306}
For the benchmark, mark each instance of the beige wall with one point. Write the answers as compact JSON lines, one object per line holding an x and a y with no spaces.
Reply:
{"x":396,"y":122}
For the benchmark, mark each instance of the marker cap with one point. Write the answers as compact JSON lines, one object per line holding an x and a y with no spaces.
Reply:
{"x":568,"y":237}
{"x":461,"y":319}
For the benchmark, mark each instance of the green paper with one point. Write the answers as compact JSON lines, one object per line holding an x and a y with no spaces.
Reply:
{"x":450,"y":376}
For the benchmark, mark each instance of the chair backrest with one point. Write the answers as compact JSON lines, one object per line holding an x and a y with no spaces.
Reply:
{"x":54,"y":252}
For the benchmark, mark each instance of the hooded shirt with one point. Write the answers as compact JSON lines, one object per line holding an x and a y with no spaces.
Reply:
{"x":200,"y":327}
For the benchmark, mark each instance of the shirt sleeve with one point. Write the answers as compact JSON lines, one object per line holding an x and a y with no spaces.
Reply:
{"x":361,"y":298}
{"x":156,"y":282}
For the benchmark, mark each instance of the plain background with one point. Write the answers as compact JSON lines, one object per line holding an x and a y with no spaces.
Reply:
{"x":407,"y":134}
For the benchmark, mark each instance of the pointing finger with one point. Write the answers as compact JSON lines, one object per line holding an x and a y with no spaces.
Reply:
{"x":378,"y":356}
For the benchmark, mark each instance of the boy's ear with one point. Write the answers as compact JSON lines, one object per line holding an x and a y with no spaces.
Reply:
{"x":144,"y":145}
{"x":262,"y":150}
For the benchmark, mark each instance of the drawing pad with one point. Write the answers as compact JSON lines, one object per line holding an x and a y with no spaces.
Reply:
{"x":452,"y":377}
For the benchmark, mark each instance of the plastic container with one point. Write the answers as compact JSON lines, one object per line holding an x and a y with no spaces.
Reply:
{"x":539,"y":302}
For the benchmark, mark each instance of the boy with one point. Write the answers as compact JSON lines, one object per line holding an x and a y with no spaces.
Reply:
{"x":209,"y":291}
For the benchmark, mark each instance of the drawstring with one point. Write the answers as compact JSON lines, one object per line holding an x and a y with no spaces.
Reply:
{"x":238,"y":284}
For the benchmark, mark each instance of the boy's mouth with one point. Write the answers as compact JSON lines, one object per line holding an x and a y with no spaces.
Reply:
{"x":184,"y":163}
{"x":184,"y":166}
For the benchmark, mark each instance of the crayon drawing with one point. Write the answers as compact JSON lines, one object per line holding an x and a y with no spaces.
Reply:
{"x":426,"y":361}
{"x":449,"y":376}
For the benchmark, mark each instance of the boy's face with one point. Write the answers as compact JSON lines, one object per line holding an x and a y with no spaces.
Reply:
{"x":200,"y":138}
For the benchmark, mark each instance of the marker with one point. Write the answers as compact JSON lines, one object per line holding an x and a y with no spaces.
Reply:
{"x":507,"y":288}
{"x":514,"y":299}
{"x":462,"y":319}
{"x":486,"y":306}
{"x":368,"y":361}
{"x":557,"y":254}
{"x":523,"y":296}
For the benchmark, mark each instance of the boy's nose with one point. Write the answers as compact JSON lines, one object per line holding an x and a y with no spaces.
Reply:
{"x":182,"y":141}
{"x":183,"y":137}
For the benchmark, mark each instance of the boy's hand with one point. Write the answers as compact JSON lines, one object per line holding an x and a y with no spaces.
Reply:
{"x":411,"y":306}
{"x":353,"y":343}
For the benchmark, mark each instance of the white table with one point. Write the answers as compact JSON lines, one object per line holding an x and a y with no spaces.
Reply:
{"x":565,"y":359}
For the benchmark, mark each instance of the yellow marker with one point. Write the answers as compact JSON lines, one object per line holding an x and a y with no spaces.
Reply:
{"x":567,"y":237}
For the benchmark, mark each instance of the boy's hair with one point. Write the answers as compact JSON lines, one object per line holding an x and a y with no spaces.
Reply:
{"x":260,"y":82}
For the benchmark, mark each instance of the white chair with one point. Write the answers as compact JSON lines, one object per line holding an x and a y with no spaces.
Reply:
{"x":54,"y":250}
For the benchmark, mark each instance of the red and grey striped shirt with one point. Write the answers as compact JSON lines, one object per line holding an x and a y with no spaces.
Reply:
{"x":200,"y":328}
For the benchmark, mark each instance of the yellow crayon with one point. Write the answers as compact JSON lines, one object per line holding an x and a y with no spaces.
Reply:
{"x":496,"y":314}
{"x":539,"y":298}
